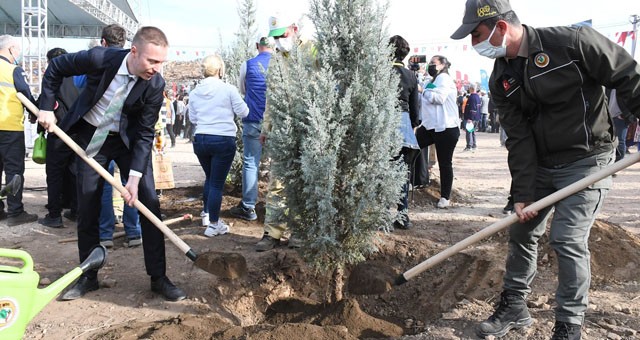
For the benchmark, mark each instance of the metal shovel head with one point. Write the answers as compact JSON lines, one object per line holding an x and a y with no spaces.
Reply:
{"x":222,"y":264}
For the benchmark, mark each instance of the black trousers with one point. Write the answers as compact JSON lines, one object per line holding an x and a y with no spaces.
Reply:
{"x":12,"y":151}
{"x":408,"y":156}
{"x":172,"y":135}
{"x":178,"y":125}
{"x":61,"y":176}
{"x":90,"y":185}
{"x":420,"y":169}
{"x":445,"y":142}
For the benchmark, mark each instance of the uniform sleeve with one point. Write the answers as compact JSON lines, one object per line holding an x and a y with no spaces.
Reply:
{"x":609,"y":63}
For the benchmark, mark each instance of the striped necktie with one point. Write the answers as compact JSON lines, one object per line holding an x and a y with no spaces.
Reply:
{"x":102,"y":130}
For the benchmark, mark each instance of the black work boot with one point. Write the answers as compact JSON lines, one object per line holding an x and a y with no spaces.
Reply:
{"x":511,"y":312}
{"x":566,"y":331}
{"x":267,"y":243}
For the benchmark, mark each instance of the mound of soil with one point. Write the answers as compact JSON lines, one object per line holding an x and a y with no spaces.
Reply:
{"x":615,"y":253}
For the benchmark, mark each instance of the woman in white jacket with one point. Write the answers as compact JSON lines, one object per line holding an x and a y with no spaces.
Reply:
{"x":212,"y":106}
{"x":440,"y":122}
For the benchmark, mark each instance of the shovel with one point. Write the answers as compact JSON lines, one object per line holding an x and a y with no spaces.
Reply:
{"x":376,"y":281}
{"x":234,"y":262}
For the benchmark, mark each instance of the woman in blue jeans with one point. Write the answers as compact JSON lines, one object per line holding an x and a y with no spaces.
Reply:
{"x":212,"y":107}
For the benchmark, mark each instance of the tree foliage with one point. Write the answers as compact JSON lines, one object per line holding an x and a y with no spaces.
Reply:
{"x":242,"y":49}
{"x":332,"y":105}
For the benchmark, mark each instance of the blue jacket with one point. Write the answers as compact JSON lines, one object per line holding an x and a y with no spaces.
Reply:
{"x":472,"y":111}
{"x":256,"y":86}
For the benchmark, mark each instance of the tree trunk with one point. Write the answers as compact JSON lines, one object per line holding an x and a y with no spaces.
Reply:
{"x":337,"y":285}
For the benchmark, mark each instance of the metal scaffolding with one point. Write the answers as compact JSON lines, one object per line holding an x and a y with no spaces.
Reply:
{"x":34,"y":41}
{"x":34,"y":28}
{"x":107,"y":12}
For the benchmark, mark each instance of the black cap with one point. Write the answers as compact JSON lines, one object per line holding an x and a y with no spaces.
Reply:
{"x":477,"y":11}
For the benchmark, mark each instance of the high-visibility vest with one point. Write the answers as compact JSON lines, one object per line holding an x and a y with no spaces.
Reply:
{"x":11,"y":109}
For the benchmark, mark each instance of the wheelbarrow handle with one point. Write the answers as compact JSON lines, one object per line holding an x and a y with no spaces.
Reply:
{"x":116,"y":184}
{"x":511,"y":219}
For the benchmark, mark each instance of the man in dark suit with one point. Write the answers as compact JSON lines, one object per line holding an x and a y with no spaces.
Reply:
{"x":113,"y":119}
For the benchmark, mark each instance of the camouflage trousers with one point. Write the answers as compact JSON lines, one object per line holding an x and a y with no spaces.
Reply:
{"x":276,"y":215}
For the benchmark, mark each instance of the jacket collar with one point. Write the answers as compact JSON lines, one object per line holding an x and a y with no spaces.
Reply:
{"x":535,"y":43}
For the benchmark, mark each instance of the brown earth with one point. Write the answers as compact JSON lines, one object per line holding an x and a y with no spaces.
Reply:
{"x":279,"y":297}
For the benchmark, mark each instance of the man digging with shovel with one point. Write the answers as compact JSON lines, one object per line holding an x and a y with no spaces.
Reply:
{"x":113,"y":119}
{"x":547,"y":86}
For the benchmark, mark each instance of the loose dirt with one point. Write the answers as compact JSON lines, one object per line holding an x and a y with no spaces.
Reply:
{"x":279,"y":297}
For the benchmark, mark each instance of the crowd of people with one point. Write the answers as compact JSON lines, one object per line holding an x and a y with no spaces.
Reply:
{"x":113,"y":103}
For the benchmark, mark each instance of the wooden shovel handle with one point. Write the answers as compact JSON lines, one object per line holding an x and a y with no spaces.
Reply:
{"x":116,"y":184}
{"x":511,"y":219}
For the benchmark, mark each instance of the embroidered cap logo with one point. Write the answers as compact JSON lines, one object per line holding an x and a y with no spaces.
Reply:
{"x":485,"y":11}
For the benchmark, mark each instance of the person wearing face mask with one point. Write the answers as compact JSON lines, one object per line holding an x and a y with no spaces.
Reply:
{"x":284,"y":32}
{"x":547,"y":84}
{"x":12,"y":144}
{"x":440,"y":122}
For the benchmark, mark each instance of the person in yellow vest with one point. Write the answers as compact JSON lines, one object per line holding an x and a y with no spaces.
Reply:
{"x":12,"y":145}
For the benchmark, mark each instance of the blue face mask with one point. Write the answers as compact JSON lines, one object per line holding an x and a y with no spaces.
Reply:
{"x":16,"y":61}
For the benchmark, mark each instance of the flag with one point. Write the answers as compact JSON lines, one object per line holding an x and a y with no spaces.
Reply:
{"x":484,"y":80}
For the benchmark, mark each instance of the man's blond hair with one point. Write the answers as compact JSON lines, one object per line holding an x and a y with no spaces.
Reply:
{"x":150,"y":35}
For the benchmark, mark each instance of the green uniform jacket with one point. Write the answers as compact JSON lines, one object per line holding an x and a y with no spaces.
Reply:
{"x":553,"y":107}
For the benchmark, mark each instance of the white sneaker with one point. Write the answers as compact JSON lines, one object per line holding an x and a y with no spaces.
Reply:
{"x":219,"y":228}
{"x":443,"y":203}
{"x":205,"y":218}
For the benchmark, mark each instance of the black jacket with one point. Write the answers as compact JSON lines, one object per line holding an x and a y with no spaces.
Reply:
{"x":552,"y":106}
{"x":409,"y":97}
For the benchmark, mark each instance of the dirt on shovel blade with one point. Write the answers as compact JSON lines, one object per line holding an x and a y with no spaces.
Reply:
{"x":225,"y":265}
{"x":371,"y":278}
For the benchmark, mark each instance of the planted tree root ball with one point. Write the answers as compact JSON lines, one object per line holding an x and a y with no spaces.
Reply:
{"x":371,"y":278}
{"x":225,"y":265}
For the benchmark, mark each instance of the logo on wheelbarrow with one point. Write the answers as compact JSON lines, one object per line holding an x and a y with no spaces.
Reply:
{"x":8,"y":312}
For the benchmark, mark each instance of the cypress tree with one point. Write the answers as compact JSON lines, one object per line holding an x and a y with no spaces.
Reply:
{"x":243,"y":48}
{"x":332,"y":105}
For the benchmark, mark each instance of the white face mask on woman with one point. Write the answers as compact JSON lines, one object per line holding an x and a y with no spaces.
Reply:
{"x":486,"y":49}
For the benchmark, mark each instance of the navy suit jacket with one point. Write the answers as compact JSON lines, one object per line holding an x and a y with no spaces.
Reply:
{"x":100,"y":64}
